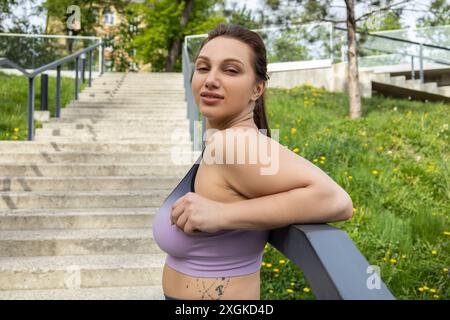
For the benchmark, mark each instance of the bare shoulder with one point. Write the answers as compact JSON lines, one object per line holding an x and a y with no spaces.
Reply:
{"x":256,"y":165}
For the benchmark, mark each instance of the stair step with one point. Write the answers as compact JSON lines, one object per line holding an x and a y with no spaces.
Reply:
{"x":82,"y":218}
{"x":98,"y":157}
{"x":54,"y":242}
{"x":87,"y":183}
{"x":107,"y":293}
{"x":73,"y":272}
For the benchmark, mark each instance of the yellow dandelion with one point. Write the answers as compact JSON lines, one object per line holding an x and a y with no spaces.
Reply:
{"x":293,"y":130}
{"x":315,"y":160}
{"x":263,"y":264}
{"x":282,"y":261}
{"x":375,"y":172}
{"x":16,"y":129}
{"x":403,"y":256}
{"x":421,"y":289}
{"x":14,"y":137}
{"x":446,"y":233}
{"x":306,"y":144}
{"x":434,"y":252}
{"x":385,"y":259}
{"x":393,"y":261}
{"x":436,"y":296}
{"x":276,"y":270}
{"x":349,"y":177}
{"x":365,"y":145}
{"x":380,"y":148}
{"x":433,"y":290}
{"x":354,"y":210}
{"x":296,"y":150}
{"x":322,"y":158}
{"x":425,"y":288}
{"x":268,"y":265}
{"x":290,"y":290}
{"x":306,"y":290}
{"x":292,"y":283}
{"x":445,"y":269}
{"x":270,"y":290}
{"x":322,"y":162}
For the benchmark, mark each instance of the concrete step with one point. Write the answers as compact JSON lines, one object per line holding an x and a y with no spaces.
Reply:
{"x":71,"y":272}
{"x":97,"y":157}
{"x":119,"y":126}
{"x":126,"y":117}
{"x":33,"y":146}
{"x":93,"y":169}
{"x":50,"y":242}
{"x":109,"y":293}
{"x":165,"y":123}
{"x":109,"y":139}
{"x":89,"y":111}
{"x":95,"y":183}
{"x":151,"y":135}
{"x":81,"y":218}
{"x":155,"y":106}
{"x":74,"y":272}
{"x":82,"y":199}
{"x":444,"y":91}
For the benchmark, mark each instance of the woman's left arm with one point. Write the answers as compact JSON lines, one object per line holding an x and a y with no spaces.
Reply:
{"x":312,"y":204}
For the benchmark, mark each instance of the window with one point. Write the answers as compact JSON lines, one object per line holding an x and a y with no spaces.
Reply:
{"x":109,"y":17}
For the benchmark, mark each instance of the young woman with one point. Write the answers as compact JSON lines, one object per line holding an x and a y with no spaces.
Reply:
{"x":216,"y":238}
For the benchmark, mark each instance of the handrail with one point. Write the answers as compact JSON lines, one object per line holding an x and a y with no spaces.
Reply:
{"x":397,"y":39}
{"x":421,"y":57}
{"x":55,"y":64}
{"x":332,"y":264}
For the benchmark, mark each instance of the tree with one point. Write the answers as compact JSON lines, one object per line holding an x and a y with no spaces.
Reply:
{"x":438,"y":14}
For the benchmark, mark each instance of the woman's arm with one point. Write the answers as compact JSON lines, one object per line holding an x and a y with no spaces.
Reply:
{"x":311,"y":204}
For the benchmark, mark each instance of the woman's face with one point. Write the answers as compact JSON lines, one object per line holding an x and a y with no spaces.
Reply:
{"x":224,"y":67}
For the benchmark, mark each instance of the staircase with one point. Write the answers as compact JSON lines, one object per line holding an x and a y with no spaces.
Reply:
{"x":77,"y":203}
{"x":398,"y":82}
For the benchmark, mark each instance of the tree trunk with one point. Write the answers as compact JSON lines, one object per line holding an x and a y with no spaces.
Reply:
{"x":175,"y":47}
{"x":352,"y":67}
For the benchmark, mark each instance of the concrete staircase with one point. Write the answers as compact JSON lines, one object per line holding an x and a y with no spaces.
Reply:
{"x":398,"y":82}
{"x":77,"y":204}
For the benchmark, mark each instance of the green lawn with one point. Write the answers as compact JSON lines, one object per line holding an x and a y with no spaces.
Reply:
{"x":394,"y":164}
{"x":14,"y":102}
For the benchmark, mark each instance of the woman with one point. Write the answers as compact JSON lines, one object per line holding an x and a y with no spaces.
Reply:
{"x":218,"y":232}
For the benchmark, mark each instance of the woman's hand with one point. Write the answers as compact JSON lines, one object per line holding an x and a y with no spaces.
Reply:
{"x":192,"y":213}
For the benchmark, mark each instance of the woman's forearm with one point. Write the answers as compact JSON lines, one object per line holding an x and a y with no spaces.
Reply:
{"x":311,"y":204}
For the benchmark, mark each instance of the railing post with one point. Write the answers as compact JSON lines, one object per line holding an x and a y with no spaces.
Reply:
{"x":90,"y":68}
{"x":58,"y":91}
{"x":30,"y":108}
{"x":83,"y":67}
{"x":44,"y":92}
{"x":102,"y":69}
{"x":413,"y":73}
{"x":421,"y":63}
{"x":77,"y":60}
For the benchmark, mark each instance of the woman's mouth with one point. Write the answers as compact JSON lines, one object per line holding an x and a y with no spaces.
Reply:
{"x":210,"y":100}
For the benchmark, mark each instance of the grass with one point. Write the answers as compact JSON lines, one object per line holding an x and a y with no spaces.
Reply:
{"x":14,"y":102}
{"x":393,"y":162}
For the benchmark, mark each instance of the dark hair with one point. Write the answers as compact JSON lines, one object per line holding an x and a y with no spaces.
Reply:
{"x":259,"y":58}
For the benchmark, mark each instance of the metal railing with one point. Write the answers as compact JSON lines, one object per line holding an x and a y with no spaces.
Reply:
{"x":332,"y":264}
{"x":420,"y":56}
{"x":77,"y":56}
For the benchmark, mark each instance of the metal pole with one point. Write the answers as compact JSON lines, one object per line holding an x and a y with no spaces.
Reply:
{"x":44,"y":92}
{"x":83,"y":67}
{"x":413,"y":73}
{"x":102,"y":70}
{"x":90,"y":68}
{"x":58,"y":91}
{"x":77,"y":60}
{"x":421,"y":63}
{"x":30,"y":108}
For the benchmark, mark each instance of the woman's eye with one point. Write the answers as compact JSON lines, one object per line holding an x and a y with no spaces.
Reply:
{"x":231,"y":70}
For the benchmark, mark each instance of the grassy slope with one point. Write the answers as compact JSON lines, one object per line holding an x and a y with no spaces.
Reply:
{"x":394,"y":164}
{"x":14,"y":103}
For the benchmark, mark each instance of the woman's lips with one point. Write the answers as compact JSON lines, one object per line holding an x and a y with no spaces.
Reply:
{"x":210,"y":100}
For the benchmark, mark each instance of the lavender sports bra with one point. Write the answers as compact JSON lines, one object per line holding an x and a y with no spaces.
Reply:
{"x":225,"y":253}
